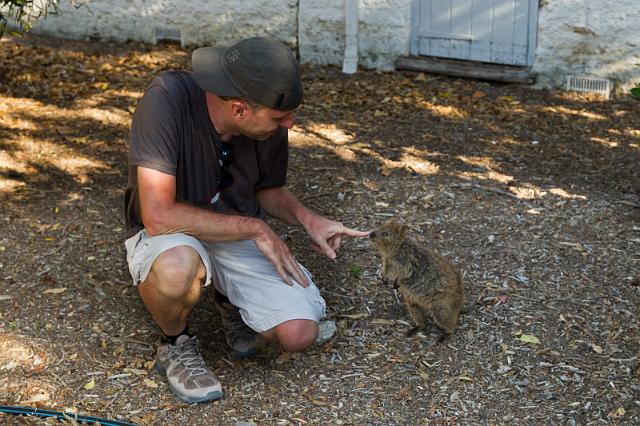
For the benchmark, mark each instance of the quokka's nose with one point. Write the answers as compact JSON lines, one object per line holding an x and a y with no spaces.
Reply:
{"x":372,"y":235}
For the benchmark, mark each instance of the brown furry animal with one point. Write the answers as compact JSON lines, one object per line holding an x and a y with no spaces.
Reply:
{"x":430,"y":284}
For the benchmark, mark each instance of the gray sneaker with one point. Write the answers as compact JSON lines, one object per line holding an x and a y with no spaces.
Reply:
{"x":326,"y":330}
{"x":241,"y":339}
{"x":188,"y":376}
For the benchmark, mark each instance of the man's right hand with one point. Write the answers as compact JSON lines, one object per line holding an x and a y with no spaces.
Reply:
{"x":161,"y":214}
{"x":278,"y":253}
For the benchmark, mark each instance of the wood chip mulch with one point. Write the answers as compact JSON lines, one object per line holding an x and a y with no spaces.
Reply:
{"x":534,"y":194}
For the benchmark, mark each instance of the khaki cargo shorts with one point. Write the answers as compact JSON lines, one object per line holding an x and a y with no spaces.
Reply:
{"x":240,"y":271}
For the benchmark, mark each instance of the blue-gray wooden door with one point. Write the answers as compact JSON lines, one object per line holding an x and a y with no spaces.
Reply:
{"x":495,"y":31}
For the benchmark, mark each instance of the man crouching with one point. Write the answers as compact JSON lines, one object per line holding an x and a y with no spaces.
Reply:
{"x":207,"y":164}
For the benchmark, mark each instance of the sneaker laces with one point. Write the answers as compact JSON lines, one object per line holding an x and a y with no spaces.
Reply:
{"x":188,"y":355}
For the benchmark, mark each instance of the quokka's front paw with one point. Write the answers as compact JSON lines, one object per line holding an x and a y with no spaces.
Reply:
{"x":444,"y":338}
{"x":384,"y":280}
{"x":413,"y":331}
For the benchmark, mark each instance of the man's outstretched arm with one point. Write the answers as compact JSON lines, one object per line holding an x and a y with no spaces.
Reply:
{"x":326,"y":235}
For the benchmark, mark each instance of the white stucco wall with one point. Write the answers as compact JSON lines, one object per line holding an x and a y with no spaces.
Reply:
{"x":383,"y":31}
{"x":202,"y":22}
{"x":599,"y":38}
{"x":574,"y":36}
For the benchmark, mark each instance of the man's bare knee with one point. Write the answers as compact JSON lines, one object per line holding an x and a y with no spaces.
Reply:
{"x":176,"y":271}
{"x":297,"y":335}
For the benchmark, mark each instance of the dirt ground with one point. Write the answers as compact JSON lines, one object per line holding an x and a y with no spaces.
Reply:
{"x":535,"y":195}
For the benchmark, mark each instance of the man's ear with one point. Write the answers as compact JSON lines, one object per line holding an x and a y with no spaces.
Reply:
{"x":239,"y":109}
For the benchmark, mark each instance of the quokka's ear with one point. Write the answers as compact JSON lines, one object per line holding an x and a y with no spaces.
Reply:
{"x":402,"y":229}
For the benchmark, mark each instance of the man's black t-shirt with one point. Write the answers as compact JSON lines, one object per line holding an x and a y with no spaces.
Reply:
{"x":172,"y":132}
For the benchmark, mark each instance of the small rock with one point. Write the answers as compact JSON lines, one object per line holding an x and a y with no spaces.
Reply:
{"x":503,"y":369}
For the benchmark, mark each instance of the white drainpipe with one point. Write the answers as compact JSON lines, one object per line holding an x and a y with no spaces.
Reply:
{"x":350,"y":63}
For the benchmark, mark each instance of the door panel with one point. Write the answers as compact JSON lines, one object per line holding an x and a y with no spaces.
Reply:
{"x":497,"y":31}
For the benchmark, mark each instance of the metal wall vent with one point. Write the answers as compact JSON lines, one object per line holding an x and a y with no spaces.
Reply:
{"x":584,"y":84}
{"x":167,"y":34}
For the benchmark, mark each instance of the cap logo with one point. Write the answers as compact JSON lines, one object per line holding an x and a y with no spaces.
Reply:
{"x":233,"y":56}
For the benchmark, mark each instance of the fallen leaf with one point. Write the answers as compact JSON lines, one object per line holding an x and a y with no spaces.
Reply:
{"x":355,"y":316}
{"x":90,"y":385}
{"x":36,"y":398}
{"x":528,"y":338}
{"x":381,"y":321}
{"x":618,"y":413}
{"x":118,"y":350}
{"x":286,"y":356}
{"x":597,"y":349}
{"x":55,"y":290}
{"x":150,"y":383}
{"x":317,"y":402}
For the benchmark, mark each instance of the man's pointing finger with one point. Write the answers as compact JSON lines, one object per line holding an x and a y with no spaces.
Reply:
{"x":353,"y":232}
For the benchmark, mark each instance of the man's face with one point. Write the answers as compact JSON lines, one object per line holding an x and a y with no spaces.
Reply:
{"x":263,"y":122}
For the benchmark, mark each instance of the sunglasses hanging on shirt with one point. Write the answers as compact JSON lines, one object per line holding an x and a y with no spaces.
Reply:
{"x":225,"y":159}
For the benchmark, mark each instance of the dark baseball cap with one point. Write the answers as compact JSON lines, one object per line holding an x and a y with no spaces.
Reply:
{"x":262,"y":69}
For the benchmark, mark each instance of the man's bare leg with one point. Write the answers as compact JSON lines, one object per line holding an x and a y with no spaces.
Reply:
{"x":173,"y":287}
{"x":170,"y":292}
{"x":294,"y":336}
